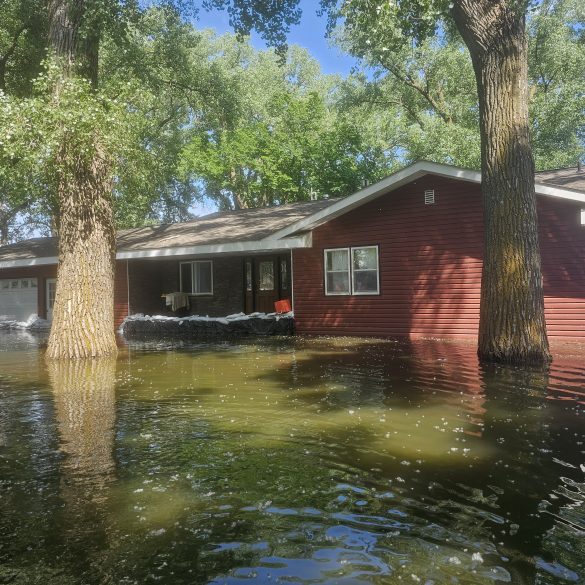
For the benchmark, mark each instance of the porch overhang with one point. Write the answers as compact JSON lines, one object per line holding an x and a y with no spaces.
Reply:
{"x":265,"y":245}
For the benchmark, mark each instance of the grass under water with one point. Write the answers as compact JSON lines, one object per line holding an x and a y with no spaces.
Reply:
{"x":290,"y":461}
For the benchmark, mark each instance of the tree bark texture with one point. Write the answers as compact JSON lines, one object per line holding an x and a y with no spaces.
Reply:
{"x":512,"y":322}
{"x":83,"y":314}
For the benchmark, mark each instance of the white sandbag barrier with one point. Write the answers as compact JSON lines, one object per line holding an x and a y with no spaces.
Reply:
{"x":198,"y":327}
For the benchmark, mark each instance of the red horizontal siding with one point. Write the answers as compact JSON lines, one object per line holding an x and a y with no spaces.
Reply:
{"x":430,"y":266}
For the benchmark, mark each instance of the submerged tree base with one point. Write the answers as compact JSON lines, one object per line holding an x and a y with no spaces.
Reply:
{"x":515,"y":356}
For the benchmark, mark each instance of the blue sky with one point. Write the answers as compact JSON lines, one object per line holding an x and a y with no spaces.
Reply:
{"x":309,"y":34}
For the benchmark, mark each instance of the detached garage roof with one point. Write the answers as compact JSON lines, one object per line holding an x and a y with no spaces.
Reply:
{"x":272,"y":228}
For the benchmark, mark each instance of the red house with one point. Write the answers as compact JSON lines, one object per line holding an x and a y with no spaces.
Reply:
{"x":402,"y":257}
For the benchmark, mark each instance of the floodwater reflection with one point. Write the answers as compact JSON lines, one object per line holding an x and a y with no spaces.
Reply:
{"x":85,"y":411}
{"x":291,"y":461}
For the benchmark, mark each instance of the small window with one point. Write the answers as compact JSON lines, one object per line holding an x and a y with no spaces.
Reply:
{"x":337,"y":272}
{"x":14,"y":284}
{"x":24,"y":283}
{"x":4,"y":284}
{"x":197,"y":277}
{"x":583,"y":217}
{"x":352,"y":271}
{"x":365,"y":271}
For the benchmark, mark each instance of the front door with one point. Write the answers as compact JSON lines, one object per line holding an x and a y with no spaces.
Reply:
{"x":51,"y":288}
{"x":266,"y":280}
{"x":266,"y":277}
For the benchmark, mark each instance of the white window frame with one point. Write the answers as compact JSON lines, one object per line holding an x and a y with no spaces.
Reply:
{"x":325,"y":272}
{"x":362,"y":293}
{"x":193,"y":272}
{"x":350,"y":271}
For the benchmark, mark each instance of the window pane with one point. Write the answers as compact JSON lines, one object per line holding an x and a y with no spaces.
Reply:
{"x":365,"y":281}
{"x":266,"y":276}
{"x":283,"y":275}
{"x":186,"y":281}
{"x":249,"y":276}
{"x":365,"y":259}
{"x":338,"y":283}
{"x":337,"y":260}
{"x":203,"y":277}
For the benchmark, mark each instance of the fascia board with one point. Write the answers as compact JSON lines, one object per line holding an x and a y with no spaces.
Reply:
{"x":265,"y":245}
{"x":29,"y":262}
{"x":550,"y":191}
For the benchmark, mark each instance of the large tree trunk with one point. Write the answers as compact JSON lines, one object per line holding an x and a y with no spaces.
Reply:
{"x":83,"y":315}
{"x":512,"y":323}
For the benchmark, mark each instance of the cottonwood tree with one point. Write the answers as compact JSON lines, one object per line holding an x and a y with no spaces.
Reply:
{"x":284,"y":139}
{"x":512,"y":322}
{"x":430,"y":89}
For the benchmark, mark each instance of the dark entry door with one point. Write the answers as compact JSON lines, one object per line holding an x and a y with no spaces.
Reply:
{"x":266,"y":283}
{"x":266,"y":280}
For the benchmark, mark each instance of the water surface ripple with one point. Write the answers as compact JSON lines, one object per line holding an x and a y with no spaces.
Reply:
{"x":295,"y":461}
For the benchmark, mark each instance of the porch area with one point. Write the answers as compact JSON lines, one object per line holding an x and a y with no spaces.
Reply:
{"x":211,"y":286}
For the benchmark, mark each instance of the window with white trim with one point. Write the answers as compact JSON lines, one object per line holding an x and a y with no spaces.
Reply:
{"x":337,"y":272}
{"x":197,"y":277}
{"x":352,"y":271}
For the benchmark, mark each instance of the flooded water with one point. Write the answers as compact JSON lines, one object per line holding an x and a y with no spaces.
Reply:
{"x":290,"y":461}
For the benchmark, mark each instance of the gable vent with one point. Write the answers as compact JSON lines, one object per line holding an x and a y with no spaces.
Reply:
{"x":429,"y":197}
{"x":583,"y":217}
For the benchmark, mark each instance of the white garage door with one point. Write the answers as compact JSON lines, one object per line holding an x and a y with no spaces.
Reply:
{"x":18,"y":298}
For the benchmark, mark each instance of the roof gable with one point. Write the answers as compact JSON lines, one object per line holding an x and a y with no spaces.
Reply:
{"x":403,"y":177}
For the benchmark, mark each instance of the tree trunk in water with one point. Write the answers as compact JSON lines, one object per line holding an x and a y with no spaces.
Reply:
{"x":83,"y":314}
{"x":512,"y":323}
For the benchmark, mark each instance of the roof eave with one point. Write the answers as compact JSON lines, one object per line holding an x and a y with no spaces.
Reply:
{"x":269,"y":244}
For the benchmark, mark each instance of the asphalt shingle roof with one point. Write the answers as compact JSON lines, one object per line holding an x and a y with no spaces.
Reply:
{"x":241,"y":225}
{"x":571,"y":178}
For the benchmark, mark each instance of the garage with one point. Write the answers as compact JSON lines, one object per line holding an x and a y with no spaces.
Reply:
{"x":18,"y":298}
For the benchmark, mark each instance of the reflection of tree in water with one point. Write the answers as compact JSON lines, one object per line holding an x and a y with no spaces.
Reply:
{"x":536,"y":449}
{"x":84,"y":398}
{"x":565,"y":541}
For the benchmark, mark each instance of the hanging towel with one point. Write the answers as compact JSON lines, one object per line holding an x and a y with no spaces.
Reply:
{"x":177,"y":300}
